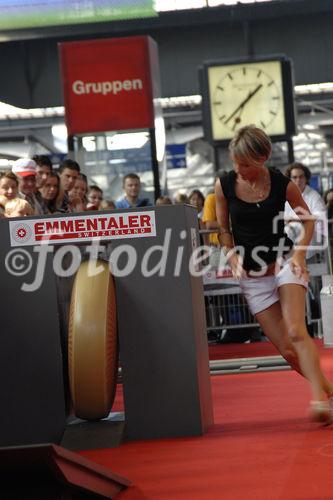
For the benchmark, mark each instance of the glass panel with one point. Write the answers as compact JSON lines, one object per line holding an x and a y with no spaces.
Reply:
{"x":105,"y":158}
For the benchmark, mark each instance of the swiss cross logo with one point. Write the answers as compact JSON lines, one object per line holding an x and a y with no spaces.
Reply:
{"x":21,"y":232}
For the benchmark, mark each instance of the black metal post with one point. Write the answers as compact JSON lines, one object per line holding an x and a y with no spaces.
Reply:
{"x":291,"y":155}
{"x":154,"y":163}
{"x":71,"y":147}
{"x":216,"y":158}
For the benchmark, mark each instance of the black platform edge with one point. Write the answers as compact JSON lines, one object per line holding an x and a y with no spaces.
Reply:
{"x":22,"y":467}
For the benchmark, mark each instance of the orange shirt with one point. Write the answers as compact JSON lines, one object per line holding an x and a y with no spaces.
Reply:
{"x":209,"y":214}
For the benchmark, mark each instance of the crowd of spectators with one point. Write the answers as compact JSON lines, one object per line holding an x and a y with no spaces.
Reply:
{"x":34,"y":187}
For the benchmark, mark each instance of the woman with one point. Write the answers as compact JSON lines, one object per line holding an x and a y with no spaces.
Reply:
{"x":254,"y":197}
{"x":51,"y":196}
{"x":17,"y":207}
{"x":8,"y":185}
{"x":197,"y":199}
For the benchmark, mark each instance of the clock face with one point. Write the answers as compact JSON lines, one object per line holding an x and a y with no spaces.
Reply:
{"x":244,"y":94}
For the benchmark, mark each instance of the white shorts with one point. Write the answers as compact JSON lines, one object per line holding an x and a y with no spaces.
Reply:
{"x":260,"y":293}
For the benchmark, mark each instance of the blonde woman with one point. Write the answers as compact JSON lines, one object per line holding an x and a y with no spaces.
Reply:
{"x":273,"y":276}
{"x":17,"y":207}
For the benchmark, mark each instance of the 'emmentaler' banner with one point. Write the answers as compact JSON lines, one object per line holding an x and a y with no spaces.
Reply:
{"x":82,"y":228}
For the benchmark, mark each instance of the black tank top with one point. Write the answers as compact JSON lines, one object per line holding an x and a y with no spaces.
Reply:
{"x":258,"y":228}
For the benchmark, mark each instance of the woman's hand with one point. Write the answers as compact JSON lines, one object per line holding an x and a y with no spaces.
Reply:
{"x":235,"y":261}
{"x":298,"y":266}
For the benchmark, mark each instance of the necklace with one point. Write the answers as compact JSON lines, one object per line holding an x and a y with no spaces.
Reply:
{"x":258,"y":192}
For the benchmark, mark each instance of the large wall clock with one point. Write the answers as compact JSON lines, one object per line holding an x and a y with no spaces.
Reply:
{"x":238,"y":93}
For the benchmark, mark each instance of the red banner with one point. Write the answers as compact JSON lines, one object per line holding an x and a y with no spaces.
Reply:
{"x":109,"y":84}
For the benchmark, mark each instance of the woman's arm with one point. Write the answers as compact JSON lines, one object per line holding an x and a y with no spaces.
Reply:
{"x":297,"y":203}
{"x":225,"y":236}
{"x":222,"y":215}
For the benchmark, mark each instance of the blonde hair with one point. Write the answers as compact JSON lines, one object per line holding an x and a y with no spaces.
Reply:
{"x":3,"y":200}
{"x":251,"y":144}
{"x":107,"y":205}
{"x":163,"y":200}
{"x":181,"y":198}
{"x":8,"y":174}
{"x":18,"y":208}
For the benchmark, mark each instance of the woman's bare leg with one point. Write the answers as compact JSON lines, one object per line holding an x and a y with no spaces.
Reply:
{"x":274,"y":327}
{"x":292,"y":301}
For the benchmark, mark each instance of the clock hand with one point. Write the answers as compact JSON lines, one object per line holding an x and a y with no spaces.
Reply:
{"x":242,"y":104}
{"x":237,"y":119}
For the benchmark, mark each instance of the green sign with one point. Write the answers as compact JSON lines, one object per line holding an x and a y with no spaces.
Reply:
{"x":17,"y":14}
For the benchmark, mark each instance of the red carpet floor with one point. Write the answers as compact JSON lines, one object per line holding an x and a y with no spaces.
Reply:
{"x":262,"y":446}
{"x":231,"y":351}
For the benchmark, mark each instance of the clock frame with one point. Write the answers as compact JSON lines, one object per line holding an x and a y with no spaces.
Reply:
{"x":243,"y":91}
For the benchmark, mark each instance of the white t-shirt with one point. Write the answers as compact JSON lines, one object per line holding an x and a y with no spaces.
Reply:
{"x":317,"y":207}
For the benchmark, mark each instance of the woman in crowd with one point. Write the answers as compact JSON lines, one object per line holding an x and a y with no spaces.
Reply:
{"x":197,"y":199}
{"x":13,"y":206}
{"x":8,"y":185}
{"x":51,"y":196}
{"x":17,"y":207}
{"x":272,"y":275}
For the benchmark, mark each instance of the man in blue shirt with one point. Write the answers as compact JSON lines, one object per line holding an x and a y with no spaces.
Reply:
{"x":132,"y":186}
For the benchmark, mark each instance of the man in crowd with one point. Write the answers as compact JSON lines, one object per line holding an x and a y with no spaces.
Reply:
{"x":68,"y":173}
{"x":300,"y":174}
{"x":25,"y":170}
{"x":43,"y":169}
{"x":132,"y":186}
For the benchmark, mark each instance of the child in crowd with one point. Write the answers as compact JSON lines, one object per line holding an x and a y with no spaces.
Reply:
{"x":163,"y":200}
{"x":78,"y":194}
{"x":95,"y":198}
{"x":181,"y":199}
{"x":107,"y":205}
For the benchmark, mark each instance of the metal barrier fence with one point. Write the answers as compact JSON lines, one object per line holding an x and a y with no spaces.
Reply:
{"x":227,"y":311}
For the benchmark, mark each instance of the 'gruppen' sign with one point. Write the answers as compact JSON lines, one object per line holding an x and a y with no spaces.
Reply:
{"x":79,"y":87}
{"x":109,"y":84}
